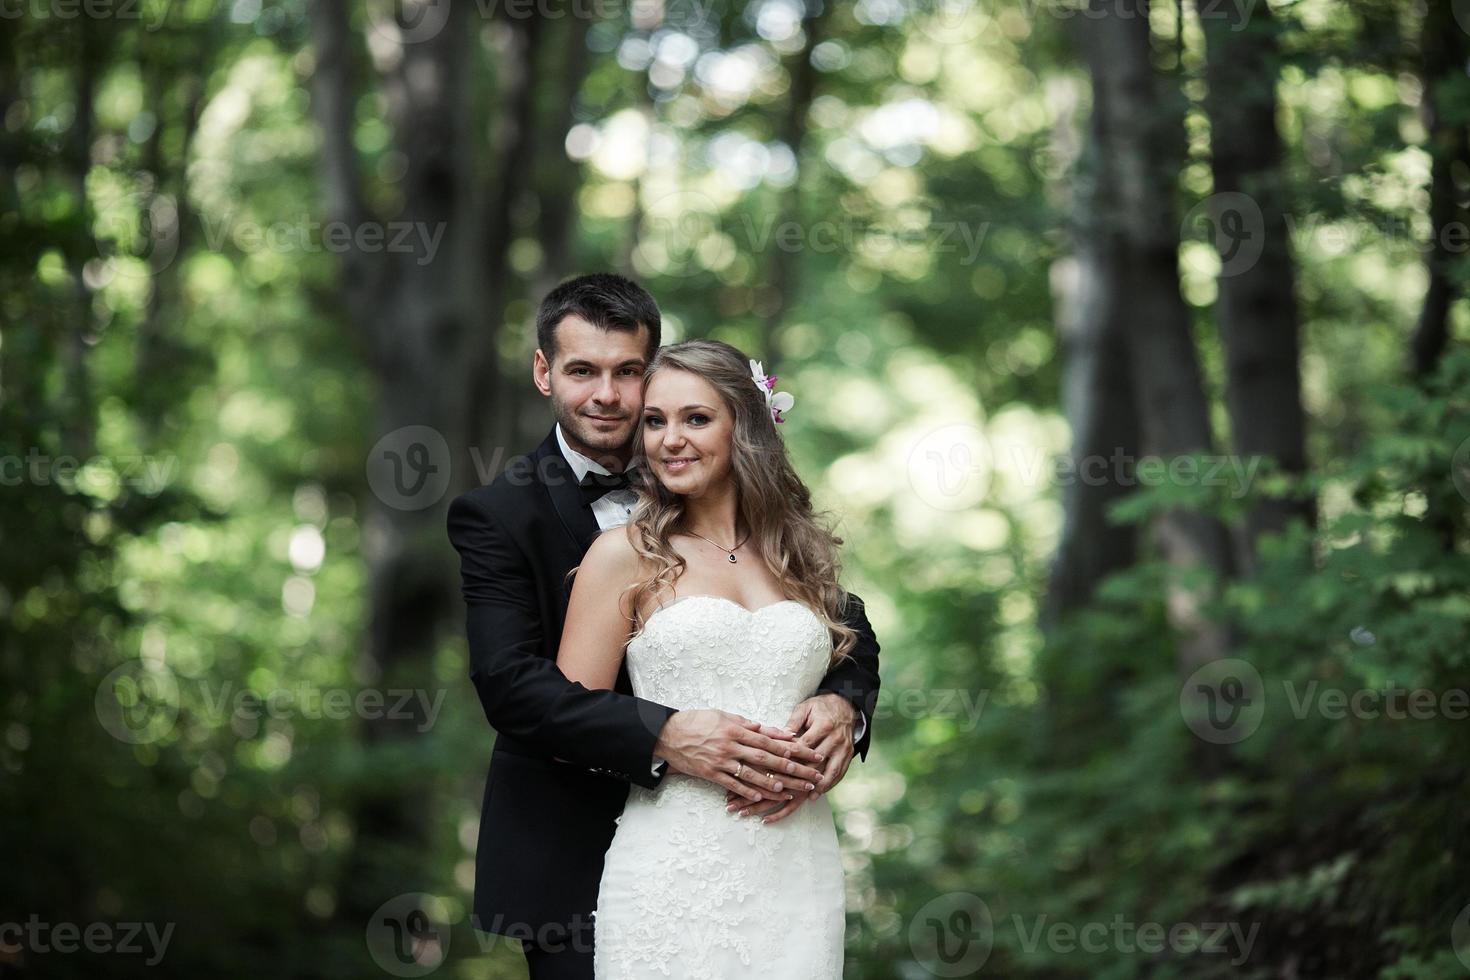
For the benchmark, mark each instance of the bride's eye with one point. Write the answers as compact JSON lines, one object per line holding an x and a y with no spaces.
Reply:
{"x":698,"y":419}
{"x":652,"y":421}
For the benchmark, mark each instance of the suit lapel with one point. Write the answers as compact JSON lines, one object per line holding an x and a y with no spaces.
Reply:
{"x":555,"y":473}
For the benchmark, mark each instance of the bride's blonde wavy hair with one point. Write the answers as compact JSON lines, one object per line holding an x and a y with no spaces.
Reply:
{"x":797,"y":546}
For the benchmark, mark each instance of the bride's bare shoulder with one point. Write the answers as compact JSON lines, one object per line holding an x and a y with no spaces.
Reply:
{"x":612,"y":553}
{"x":611,"y":565}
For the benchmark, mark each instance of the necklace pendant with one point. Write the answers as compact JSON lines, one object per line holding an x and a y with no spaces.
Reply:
{"x":732,"y":557}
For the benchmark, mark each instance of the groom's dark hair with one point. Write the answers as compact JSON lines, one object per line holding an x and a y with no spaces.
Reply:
{"x":605,"y":300}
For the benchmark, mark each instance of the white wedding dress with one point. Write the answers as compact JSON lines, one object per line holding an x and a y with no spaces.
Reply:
{"x":689,"y":891}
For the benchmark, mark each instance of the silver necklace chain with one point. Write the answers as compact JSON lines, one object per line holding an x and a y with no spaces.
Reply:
{"x":729,"y":551}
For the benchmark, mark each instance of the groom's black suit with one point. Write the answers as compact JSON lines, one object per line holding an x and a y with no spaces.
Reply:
{"x":545,"y":825}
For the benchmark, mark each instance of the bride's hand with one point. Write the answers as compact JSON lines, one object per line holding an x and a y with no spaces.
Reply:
{"x":768,"y":812}
{"x":756,"y":761}
{"x":824,"y":722}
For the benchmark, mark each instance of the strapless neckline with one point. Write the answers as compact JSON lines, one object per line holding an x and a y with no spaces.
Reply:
{"x":719,"y":598}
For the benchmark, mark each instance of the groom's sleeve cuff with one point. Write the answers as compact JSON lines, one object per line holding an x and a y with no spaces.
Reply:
{"x":658,"y":766}
{"x":860,"y":728}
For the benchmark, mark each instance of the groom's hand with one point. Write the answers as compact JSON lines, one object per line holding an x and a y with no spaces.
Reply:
{"x":825,"y":722}
{"x":759,"y":762}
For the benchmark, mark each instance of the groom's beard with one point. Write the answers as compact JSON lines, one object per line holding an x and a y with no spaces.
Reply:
{"x":585,"y":431}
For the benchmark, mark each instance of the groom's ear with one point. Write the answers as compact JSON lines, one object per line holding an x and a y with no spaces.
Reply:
{"x":541,"y":373}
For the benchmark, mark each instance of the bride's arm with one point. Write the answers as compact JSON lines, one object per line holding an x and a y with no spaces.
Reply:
{"x":598,"y":621}
{"x":707,"y":743}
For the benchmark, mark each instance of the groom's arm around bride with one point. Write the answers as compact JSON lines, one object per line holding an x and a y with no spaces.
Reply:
{"x":531,"y":704}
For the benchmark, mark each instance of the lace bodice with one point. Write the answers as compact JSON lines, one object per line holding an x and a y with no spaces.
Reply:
{"x":706,"y":651}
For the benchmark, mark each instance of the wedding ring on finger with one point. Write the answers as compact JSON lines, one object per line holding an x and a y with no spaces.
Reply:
{"x":739,"y":769}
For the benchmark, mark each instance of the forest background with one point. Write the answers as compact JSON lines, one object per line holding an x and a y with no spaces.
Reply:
{"x":1127,"y":342}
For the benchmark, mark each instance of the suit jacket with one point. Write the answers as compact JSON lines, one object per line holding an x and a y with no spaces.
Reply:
{"x":545,"y":825}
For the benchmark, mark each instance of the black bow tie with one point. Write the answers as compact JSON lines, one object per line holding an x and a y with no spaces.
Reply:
{"x":595,"y":486}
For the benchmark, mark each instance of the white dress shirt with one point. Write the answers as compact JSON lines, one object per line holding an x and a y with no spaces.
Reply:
{"x":613,"y":508}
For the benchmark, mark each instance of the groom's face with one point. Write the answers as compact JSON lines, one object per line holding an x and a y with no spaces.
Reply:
{"x":595,"y":383}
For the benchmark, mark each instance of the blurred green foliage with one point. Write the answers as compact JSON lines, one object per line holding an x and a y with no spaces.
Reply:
{"x":1050,"y":777}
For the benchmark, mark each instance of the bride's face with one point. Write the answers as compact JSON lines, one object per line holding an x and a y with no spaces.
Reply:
{"x":687,"y":431}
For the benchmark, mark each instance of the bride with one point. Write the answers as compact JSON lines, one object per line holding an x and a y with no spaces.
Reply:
{"x":722,"y":592}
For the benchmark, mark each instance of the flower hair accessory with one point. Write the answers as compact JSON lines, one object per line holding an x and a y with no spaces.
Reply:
{"x":776,"y":401}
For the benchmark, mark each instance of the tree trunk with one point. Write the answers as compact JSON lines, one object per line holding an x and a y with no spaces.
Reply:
{"x":152,"y":356}
{"x":11,"y":145}
{"x":1443,"y":51}
{"x":418,"y":313}
{"x":559,"y":178}
{"x":784,"y":268}
{"x":555,"y":181}
{"x":1097,"y":398}
{"x":494,"y":409}
{"x":1137,"y":135}
{"x":78,"y":426}
{"x":1256,"y":309}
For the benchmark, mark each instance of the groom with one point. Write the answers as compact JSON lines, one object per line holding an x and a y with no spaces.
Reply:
{"x":564,"y":755}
